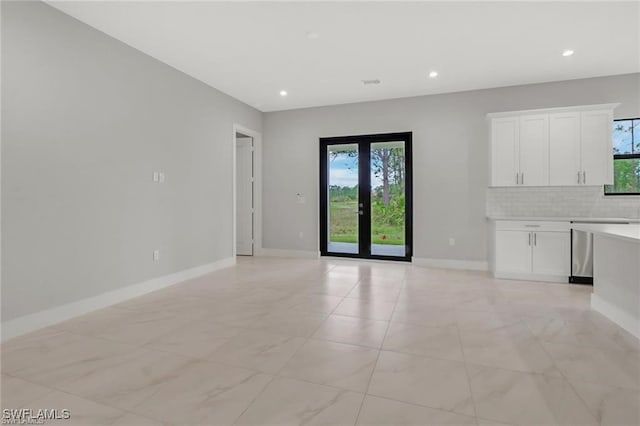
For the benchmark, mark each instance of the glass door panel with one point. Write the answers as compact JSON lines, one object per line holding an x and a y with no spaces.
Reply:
{"x":365,"y":196}
{"x":388,"y":214}
{"x":343,"y":218}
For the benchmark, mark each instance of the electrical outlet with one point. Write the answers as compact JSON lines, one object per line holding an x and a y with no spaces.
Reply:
{"x":156,"y":255}
{"x":452,"y":241}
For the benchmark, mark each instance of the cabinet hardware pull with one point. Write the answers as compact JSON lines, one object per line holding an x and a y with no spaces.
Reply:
{"x":529,"y":238}
{"x":522,"y":178}
{"x":535,"y":239}
{"x":578,"y":177}
{"x":517,"y":178}
{"x":584,"y":177}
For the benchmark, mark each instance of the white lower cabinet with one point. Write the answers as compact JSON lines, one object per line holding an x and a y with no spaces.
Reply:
{"x":533,"y":250}
{"x":551,"y":253}
{"x":513,"y":252}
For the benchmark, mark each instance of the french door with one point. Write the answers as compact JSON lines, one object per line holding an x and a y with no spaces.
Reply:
{"x":366,"y":196}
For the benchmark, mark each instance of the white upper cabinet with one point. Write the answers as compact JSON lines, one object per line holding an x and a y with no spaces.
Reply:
{"x":534,"y":150}
{"x":558,"y":146}
{"x":596,"y":133}
{"x":504,"y":155}
{"x":564,"y":148}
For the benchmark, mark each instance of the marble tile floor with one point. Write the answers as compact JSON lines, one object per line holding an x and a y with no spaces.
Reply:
{"x":276,"y":341}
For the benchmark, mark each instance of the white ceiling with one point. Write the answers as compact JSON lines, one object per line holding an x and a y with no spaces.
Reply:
{"x":252,"y":50}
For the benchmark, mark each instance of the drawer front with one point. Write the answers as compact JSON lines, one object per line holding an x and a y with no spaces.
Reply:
{"x":532,"y":226}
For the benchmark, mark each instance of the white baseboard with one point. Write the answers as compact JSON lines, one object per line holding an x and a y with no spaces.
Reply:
{"x":470,"y":265}
{"x":35,"y":321}
{"x":615,"y":314}
{"x":305,"y":254}
{"x":532,"y":277}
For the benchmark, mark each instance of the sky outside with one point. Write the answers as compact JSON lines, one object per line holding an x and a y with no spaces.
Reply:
{"x":343,"y":171}
{"x":622,"y":136}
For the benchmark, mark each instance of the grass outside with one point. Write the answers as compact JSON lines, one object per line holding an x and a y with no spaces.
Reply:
{"x":344,"y":226}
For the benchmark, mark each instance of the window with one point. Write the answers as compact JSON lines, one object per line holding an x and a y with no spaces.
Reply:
{"x":626,"y":158}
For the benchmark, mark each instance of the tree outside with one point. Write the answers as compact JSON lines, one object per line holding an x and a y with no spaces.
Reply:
{"x":626,"y":171}
{"x":387,"y":195}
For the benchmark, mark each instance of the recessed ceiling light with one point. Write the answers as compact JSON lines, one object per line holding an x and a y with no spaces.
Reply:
{"x":568,"y":52}
{"x":433,"y":74}
{"x":283,"y":93}
{"x":312,"y":36}
{"x":374,"y":81}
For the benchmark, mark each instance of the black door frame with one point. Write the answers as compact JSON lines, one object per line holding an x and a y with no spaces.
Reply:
{"x":364,"y":193}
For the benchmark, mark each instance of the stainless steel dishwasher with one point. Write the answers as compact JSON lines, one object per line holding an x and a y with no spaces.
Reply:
{"x":582,"y":252}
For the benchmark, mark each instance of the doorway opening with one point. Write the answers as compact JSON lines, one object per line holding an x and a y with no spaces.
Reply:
{"x":244,"y":194}
{"x":366,"y":198}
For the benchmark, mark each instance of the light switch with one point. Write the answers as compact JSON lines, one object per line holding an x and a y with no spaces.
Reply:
{"x":300,"y":198}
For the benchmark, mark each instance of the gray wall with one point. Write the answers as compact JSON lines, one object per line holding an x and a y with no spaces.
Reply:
{"x":450,"y":157}
{"x":86,"y":120}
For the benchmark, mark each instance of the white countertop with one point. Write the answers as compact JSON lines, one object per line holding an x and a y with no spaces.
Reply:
{"x":629,"y":232}
{"x":564,"y":219}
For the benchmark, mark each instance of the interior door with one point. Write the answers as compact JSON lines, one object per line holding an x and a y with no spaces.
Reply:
{"x":244,"y":196}
{"x":365,"y":196}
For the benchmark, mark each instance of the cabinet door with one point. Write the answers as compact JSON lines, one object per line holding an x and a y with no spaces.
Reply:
{"x":534,"y":150}
{"x":564,"y":148}
{"x":504,"y":145}
{"x":551,"y":253}
{"x":513,"y":251}
{"x":596,"y":151}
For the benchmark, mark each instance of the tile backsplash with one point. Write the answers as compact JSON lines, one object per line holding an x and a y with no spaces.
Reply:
{"x":564,"y":201}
